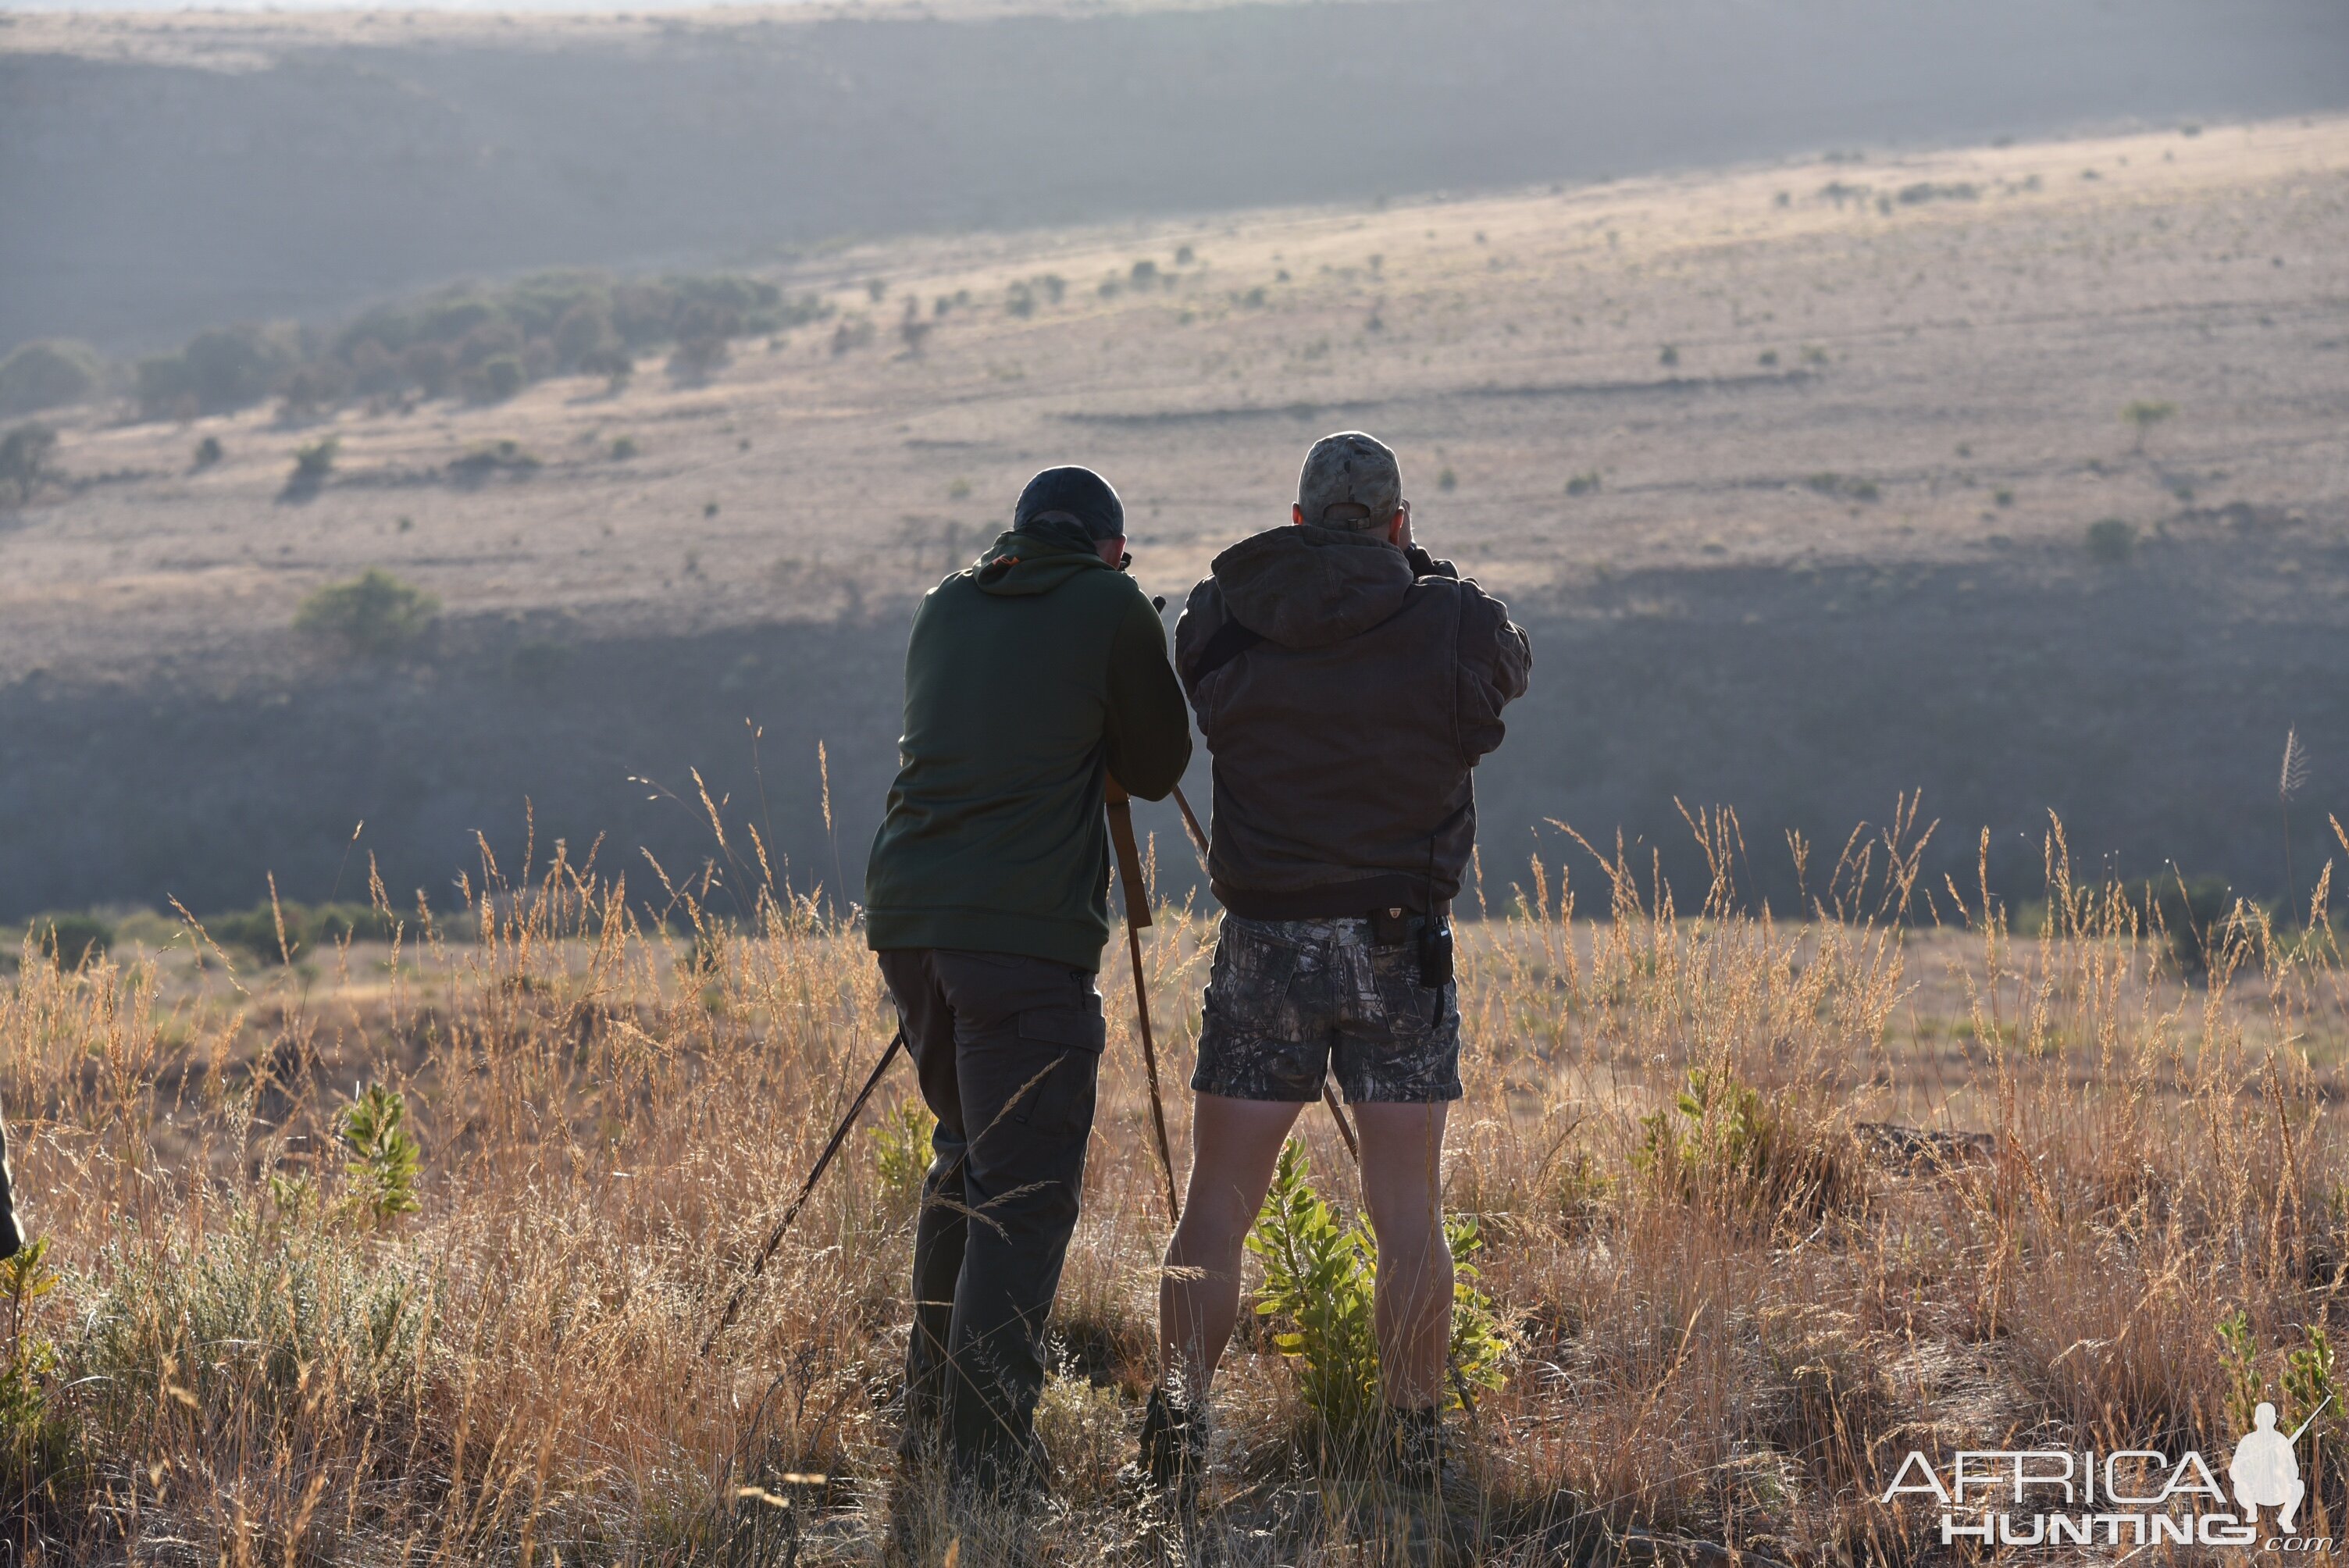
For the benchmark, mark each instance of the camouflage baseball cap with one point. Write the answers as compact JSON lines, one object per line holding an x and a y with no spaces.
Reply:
{"x":1350,"y":480}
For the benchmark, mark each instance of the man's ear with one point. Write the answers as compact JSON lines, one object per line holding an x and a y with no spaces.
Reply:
{"x":1296,"y":514}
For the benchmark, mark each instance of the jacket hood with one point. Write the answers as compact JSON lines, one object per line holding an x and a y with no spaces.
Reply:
{"x":1023,"y":562}
{"x":1306,"y":587}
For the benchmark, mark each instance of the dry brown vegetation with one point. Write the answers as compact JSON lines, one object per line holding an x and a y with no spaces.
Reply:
{"x":1949,"y":1180}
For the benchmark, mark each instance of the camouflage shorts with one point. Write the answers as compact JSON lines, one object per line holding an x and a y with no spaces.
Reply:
{"x":1290,"y":1000}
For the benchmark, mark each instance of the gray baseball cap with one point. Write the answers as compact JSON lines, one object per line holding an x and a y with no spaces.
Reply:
{"x":1350,"y":480}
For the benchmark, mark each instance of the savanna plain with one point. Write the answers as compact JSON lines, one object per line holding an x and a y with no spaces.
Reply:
{"x":402,"y":1240}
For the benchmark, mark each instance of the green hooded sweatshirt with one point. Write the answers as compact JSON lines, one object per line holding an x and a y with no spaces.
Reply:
{"x":1030,"y":677}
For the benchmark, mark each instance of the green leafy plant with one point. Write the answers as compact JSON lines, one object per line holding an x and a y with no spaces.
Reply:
{"x":900,"y":1157}
{"x":30,"y":1357}
{"x":2238,"y":1354}
{"x":384,"y":1156}
{"x":1721,"y":1138}
{"x":374,"y":614}
{"x":1320,"y":1278}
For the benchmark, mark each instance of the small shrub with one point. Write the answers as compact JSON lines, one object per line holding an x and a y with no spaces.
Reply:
{"x":901,"y":1158}
{"x":209,"y":451}
{"x":314,"y":460}
{"x":30,"y":1441}
{"x":2004,"y":497}
{"x":1144,"y":273}
{"x":488,"y":457}
{"x":306,"y":928}
{"x":623,"y":448}
{"x":2111,"y":540}
{"x":958,"y":491}
{"x":69,"y":941}
{"x":282,"y":1302}
{"x":1185,"y":256}
{"x":1447,"y":481}
{"x":1849,"y":487}
{"x":2143,"y":415}
{"x":1585,"y":483}
{"x":1814,"y":354}
{"x":1768,"y":357}
{"x":383,"y":1157}
{"x":1724,"y":1140}
{"x":1319,"y":1283}
{"x":374,"y":614}
{"x":1668,"y":354}
{"x":26,"y":454}
{"x":1019,"y":300}
{"x":48,"y":373}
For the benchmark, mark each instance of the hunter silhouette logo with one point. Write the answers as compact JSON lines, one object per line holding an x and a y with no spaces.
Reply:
{"x":2266,"y":1468}
{"x":2130,"y":1497}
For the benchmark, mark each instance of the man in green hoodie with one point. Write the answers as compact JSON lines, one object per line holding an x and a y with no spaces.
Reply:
{"x":1031,"y":678}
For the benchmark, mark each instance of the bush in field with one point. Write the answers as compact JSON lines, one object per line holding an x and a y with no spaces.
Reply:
{"x":26,"y":453}
{"x":1320,"y":1277}
{"x":2142,"y":416}
{"x":375,"y":614}
{"x":48,"y":373}
{"x":69,"y":941}
{"x":496,"y":378}
{"x":220,"y":370}
{"x":313,"y":461}
{"x":307,"y":928}
{"x":2112,"y":540}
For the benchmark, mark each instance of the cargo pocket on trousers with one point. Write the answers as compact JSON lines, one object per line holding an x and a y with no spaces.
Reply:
{"x":1064,"y":1096}
{"x":1248,"y":982}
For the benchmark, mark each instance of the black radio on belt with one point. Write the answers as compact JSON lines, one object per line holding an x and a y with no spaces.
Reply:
{"x":1436,"y":952}
{"x":1391,"y":928}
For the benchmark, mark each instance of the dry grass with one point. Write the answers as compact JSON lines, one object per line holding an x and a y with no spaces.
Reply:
{"x":1728,"y":1323}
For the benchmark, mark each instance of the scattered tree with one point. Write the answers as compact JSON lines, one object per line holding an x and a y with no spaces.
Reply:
{"x":373,"y":615}
{"x":26,"y":454}
{"x":48,"y":373}
{"x":2144,"y":416}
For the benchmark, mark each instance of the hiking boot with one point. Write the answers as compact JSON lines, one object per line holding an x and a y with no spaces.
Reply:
{"x":1174,"y":1446}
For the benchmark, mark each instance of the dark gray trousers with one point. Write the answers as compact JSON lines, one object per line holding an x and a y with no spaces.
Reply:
{"x":1007,"y":1050}
{"x":10,"y":1237}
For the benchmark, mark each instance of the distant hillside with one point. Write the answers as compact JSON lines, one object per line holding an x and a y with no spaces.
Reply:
{"x":141,"y":196}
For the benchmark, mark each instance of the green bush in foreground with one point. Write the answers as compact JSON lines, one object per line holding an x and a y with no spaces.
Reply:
{"x":1320,"y":1279}
{"x":375,"y":614}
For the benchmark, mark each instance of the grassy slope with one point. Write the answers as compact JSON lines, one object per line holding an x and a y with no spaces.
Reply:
{"x":1729,"y":1336}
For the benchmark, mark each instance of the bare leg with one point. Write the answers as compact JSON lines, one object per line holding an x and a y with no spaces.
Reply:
{"x":1402,"y":1158}
{"x":1235,"y":1143}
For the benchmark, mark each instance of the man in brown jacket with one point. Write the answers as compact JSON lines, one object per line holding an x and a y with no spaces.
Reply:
{"x":1346,"y":683}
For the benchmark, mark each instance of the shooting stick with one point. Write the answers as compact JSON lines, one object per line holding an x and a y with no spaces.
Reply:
{"x":1138,"y":915}
{"x":775,"y":1236}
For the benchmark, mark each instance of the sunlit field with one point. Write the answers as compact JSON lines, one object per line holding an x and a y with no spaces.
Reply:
{"x":1761,"y":1203}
